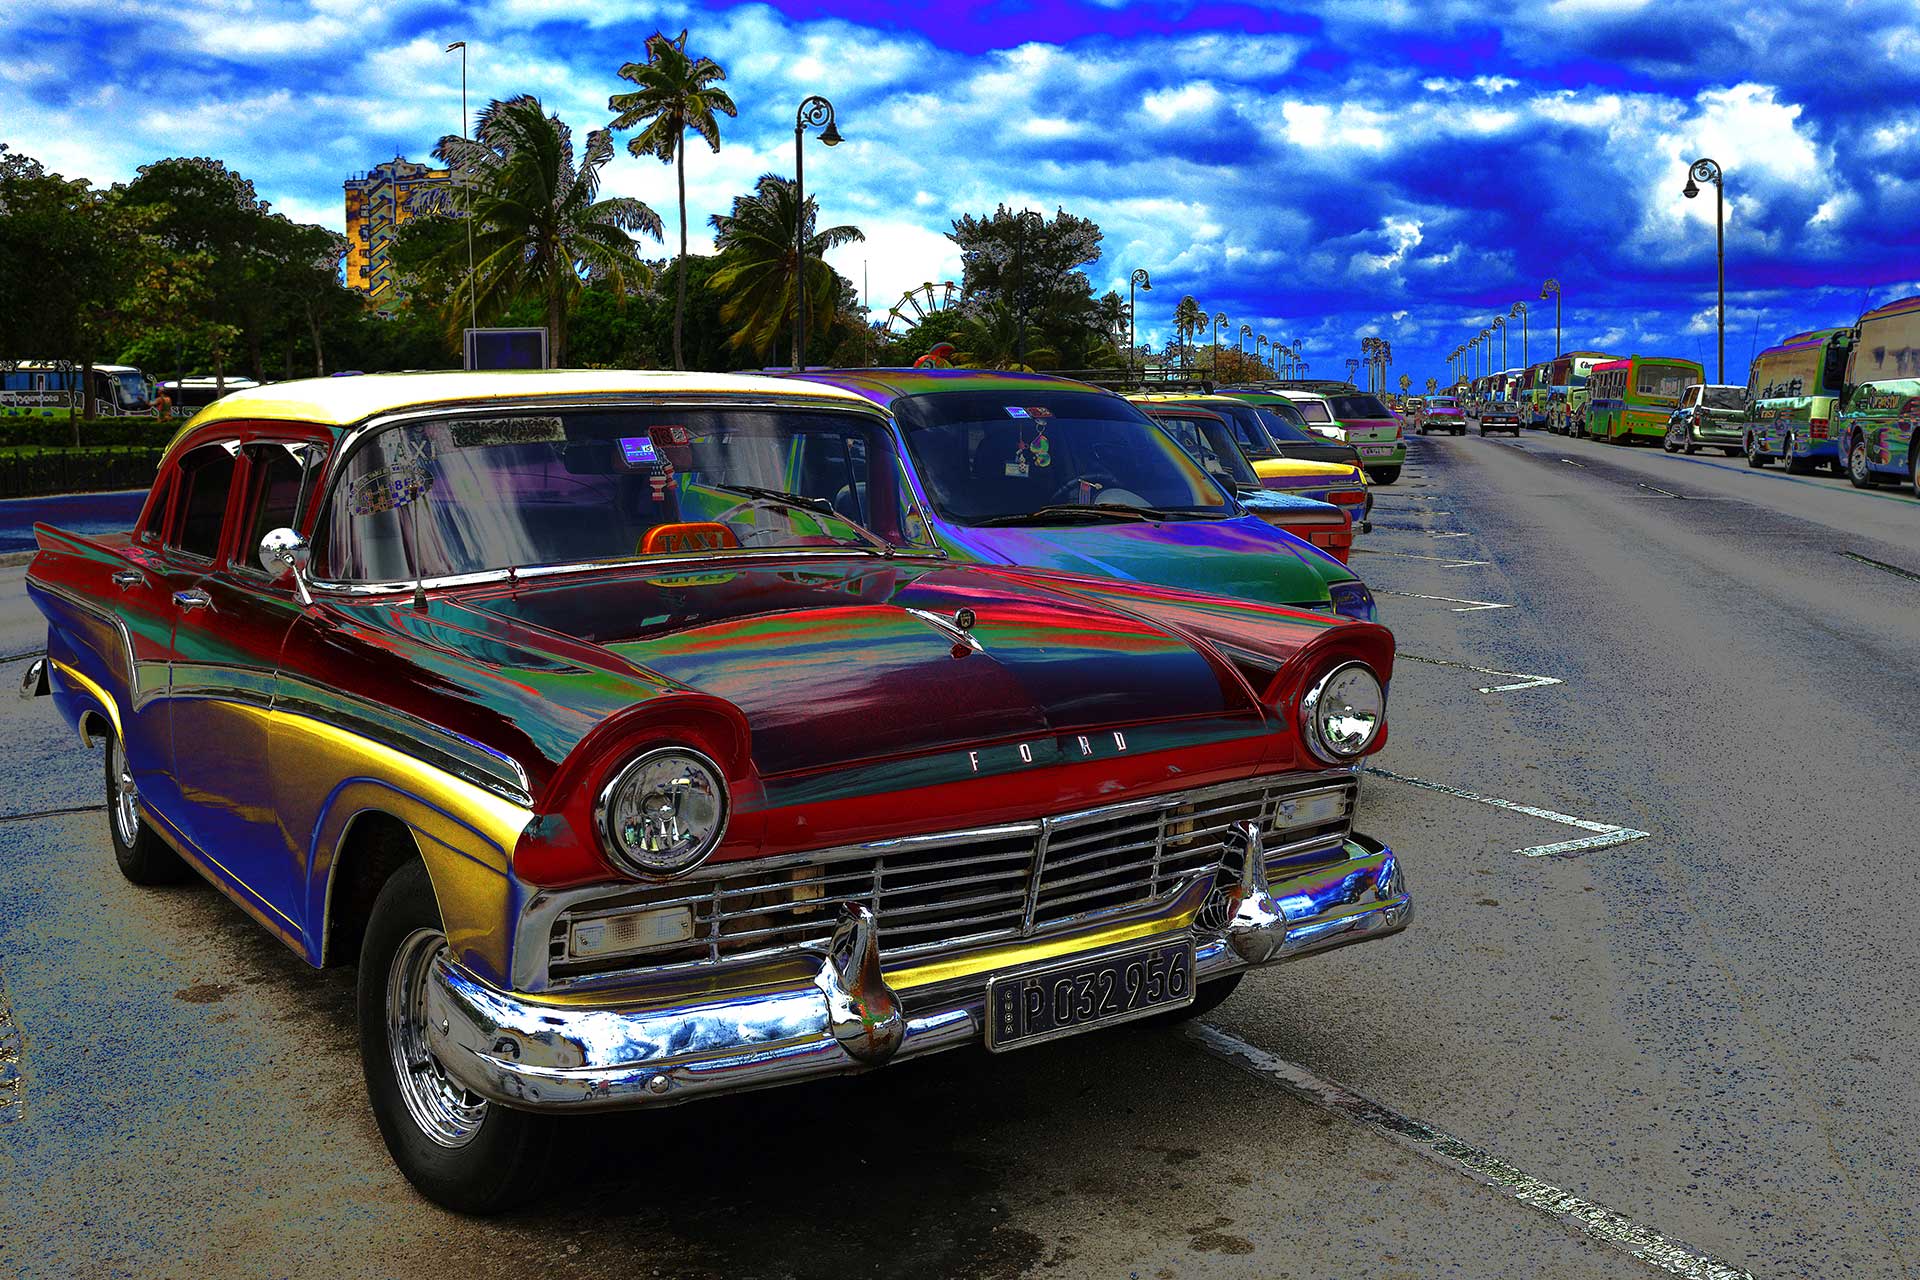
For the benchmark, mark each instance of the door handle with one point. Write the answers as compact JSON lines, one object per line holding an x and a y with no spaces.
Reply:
{"x":192,"y":598}
{"x":128,"y":578}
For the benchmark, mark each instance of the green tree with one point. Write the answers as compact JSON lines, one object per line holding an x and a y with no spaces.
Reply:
{"x":539,"y":222}
{"x":758,"y":272}
{"x":676,"y":93}
{"x":991,"y":337}
{"x":1188,"y":320}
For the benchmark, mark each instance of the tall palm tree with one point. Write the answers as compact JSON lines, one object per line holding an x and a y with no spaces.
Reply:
{"x":676,"y":93}
{"x":1111,"y":315}
{"x":1188,"y":319}
{"x":990,"y":337}
{"x":757,"y":265}
{"x":539,"y":224}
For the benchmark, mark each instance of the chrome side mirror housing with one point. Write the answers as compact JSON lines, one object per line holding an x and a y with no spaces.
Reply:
{"x":282,"y":552}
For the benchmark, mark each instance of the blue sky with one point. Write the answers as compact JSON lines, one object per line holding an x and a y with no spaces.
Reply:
{"x":1322,"y":172}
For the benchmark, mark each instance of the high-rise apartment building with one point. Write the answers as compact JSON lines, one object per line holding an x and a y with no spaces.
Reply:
{"x":378,"y":201}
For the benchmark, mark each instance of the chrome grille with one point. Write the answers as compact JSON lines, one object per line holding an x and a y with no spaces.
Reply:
{"x":939,"y":892}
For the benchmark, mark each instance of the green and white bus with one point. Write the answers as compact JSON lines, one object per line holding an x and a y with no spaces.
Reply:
{"x":1633,"y":398}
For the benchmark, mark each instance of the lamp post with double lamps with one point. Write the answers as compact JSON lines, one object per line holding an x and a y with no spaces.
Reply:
{"x":1553,"y":287}
{"x":1520,"y":309}
{"x":1219,"y":322}
{"x":1259,"y":353}
{"x":815,"y":113}
{"x":473,"y":318}
{"x":1138,"y":280}
{"x":1246,"y":331}
{"x":1486,"y":344}
{"x":1705,"y":170}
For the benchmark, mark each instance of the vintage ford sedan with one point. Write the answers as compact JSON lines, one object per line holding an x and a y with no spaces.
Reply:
{"x":627,"y":779}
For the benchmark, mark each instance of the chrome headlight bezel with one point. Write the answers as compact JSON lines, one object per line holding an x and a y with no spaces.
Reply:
{"x":604,"y":809}
{"x":1312,"y":705}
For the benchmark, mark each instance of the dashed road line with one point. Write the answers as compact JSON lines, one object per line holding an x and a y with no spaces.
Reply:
{"x":1445,"y":562}
{"x":1894,"y":569}
{"x":1527,"y":680}
{"x":1605,"y":834}
{"x":1448,"y":535}
{"x":1471,"y":606}
{"x":50,"y":813}
{"x":1570,"y":462}
{"x":13,"y":1083}
{"x":1664,"y":492}
{"x":1603,"y":1225}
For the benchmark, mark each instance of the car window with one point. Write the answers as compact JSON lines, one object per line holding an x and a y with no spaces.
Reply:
{"x":206,"y":476}
{"x":1361,"y":406}
{"x":278,"y":482}
{"x":1313,"y":410}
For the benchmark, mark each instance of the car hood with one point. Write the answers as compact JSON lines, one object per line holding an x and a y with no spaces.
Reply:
{"x":833,"y":665}
{"x":1244,"y":557}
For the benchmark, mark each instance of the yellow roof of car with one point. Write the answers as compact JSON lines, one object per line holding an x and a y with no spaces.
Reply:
{"x":1158,"y":397}
{"x":345,"y":400}
{"x":1295,"y":468}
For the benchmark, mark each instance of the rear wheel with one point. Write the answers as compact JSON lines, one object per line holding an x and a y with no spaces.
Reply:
{"x":143,"y":857}
{"x":459,"y":1150}
{"x":1755,"y":458}
{"x":1385,"y":475}
{"x":1796,"y":466}
{"x":1483,"y":429}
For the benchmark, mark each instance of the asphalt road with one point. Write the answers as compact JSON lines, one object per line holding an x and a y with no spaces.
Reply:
{"x":1685,"y":1044}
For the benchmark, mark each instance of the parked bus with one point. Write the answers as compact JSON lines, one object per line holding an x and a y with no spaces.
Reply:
{"x":1534,"y":387}
{"x":51,"y":388}
{"x":191,"y":395}
{"x":1633,"y":398}
{"x":1795,"y":389}
{"x":1567,"y":389}
{"x":1875,"y":433}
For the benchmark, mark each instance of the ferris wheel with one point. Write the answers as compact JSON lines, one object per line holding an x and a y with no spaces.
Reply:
{"x":919,"y":302}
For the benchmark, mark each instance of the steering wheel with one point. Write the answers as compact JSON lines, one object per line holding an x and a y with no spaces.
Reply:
{"x":1099,"y":480}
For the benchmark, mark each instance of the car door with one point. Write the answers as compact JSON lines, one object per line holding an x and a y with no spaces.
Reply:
{"x":230,"y":626}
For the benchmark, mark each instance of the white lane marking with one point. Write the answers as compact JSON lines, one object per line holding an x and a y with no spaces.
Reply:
{"x":1605,"y":1226}
{"x":1657,"y":489}
{"x":1570,"y":462}
{"x":1473,"y":606}
{"x":1445,"y":562}
{"x":1447,"y":535}
{"x":1605,"y":834}
{"x":1527,"y":681}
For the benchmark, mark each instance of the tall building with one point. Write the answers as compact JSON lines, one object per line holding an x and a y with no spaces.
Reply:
{"x":378,"y":201}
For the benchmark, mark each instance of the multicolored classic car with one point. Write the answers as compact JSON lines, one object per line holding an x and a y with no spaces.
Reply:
{"x":1708,"y":416}
{"x":1028,"y":469}
{"x":1442,"y":413}
{"x":1876,"y":433}
{"x":615,"y":807}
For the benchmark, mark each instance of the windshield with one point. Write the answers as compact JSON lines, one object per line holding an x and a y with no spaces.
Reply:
{"x":464,"y":495}
{"x":1726,"y":398}
{"x":1361,"y":406}
{"x":1313,"y":410}
{"x":990,"y":455}
{"x":129,"y":389}
{"x":1442,"y":402}
{"x":1207,"y":438}
{"x":1662,"y":380}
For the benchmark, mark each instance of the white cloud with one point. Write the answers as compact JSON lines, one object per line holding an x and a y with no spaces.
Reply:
{"x":1187,"y":101}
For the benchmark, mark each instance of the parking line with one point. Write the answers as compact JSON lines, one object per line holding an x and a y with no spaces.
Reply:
{"x":1601,"y":1224}
{"x":1657,"y":489}
{"x":1445,"y":562}
{"x":1527,"y":681}
{"x":1473,"y":606}
{"x":1605,"y":834}
{"x":1894,"y":569}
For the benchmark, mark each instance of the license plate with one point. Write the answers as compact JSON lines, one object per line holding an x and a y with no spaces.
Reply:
{"x":1375,"y":450}
{"x":1078,"y":995}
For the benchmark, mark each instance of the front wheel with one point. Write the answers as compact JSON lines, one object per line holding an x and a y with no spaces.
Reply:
{"x":1385,"y":475}
{"x":459,"y":1150}
{"x":1796,"y":465}
{"x":1859,"y":474}
{"x":1755,"y":458}
{"x":1670,"y":443}
{"x":142,"y":856}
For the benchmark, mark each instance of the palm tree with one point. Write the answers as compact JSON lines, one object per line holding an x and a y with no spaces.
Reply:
{"x":990,"y":337}
{"x":1111,"y":315}
{"x":676,"y":93}
{"x":1405,"y":382}
{"x":1433,"y":386}
{"x":1188,"y":318}
{"x":757,"y":264}
{"x":539,"y":224}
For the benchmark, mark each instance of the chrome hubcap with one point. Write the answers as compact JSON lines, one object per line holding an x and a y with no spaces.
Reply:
{"x":126,"y":815}
{"x":441,"y":1109}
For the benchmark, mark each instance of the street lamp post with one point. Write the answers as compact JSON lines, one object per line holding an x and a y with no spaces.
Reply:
{"x":1219,"y":322}
{"x":1138,"y":280}
{"x":1500,"y":323}
{"x":1246,"y":331}
{"x":1520,"y":309}
{"x":1705,"y":170}
{"x":815,"y":113}
{"x":1260,"y":359}
{"x":1553,"y":287}
{"x":473,"y":321}
{"x":1486,"y":345}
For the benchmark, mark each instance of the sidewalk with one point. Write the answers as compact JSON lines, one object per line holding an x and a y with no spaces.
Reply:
{"x":77,"y":512}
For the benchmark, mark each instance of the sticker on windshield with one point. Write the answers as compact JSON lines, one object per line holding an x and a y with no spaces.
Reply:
{"x":481,"y":433}
{"x":1018,"y":468}
{"x":388,"y":489}
{"x":1014,"y":412}
{"x":638,"y":451}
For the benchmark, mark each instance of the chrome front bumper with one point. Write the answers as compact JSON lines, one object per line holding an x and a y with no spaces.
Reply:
{"x":543,"y":1055}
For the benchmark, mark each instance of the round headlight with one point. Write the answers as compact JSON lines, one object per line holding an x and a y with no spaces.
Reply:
{"x":664,"y":812}
{"x":1344,"y":713}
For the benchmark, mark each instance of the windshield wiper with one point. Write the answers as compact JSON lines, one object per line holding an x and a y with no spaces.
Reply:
{"x":1077,"y":511}
{"x":801,"y":502}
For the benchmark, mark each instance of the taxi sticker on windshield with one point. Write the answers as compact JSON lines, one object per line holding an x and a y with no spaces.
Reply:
{"x":481,"y":433}
{"x":1015,"y":412}
{"x":388,"y":489}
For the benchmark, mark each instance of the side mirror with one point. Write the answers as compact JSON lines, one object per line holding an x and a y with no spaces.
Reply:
{"x":283,"y":551}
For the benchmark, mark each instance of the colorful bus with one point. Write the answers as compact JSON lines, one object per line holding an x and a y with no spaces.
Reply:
{"x":1876,"y":431}
{"x":1795,"y":388}
{"x":51,"y":388}
{"x":1632,"y":399}
{"x":1567,"y":389}
{"x":1534,"y":386}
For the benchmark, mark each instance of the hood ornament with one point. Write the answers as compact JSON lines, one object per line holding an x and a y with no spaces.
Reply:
{"x":958,"y":628}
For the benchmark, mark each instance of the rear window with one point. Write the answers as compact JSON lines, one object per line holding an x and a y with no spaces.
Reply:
{"x":1362,"y":406}
{"x":1313,"y":410}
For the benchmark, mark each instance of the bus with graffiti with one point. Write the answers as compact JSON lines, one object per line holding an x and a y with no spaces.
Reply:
{"x":1875,"y":432}
{"x":1795,"y":387}
{"x":52,"y":388}
{"x":1567,"y":389}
